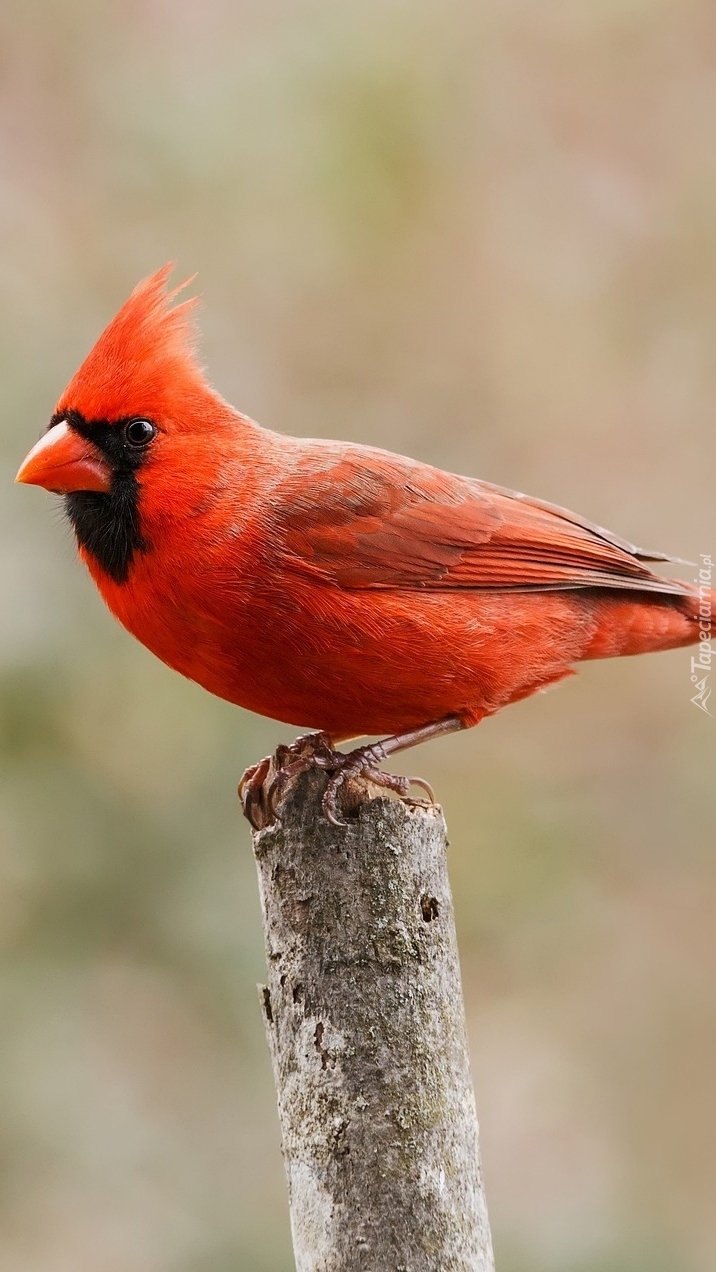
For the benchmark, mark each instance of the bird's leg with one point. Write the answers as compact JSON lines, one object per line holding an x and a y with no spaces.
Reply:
{"x":262,"y":785}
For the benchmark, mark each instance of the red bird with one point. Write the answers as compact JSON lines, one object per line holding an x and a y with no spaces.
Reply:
{"x":323,"y":582}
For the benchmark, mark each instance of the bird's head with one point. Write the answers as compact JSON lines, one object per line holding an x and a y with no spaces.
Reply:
{"x":126,"y":444}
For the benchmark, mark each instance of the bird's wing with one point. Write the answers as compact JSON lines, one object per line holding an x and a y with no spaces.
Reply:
{"x":361,"y":518}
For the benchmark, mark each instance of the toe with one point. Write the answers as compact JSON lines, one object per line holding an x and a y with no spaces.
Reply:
{"x":255,"y":794}
{"x":329,"y":803}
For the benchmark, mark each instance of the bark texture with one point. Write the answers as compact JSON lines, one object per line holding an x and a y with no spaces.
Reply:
{"x":366,"y":1028}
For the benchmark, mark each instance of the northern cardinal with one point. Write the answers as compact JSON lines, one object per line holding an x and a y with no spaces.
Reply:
{"x":321,"y":582}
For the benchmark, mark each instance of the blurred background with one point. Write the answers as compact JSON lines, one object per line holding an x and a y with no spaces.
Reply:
{"x":483,"y":234}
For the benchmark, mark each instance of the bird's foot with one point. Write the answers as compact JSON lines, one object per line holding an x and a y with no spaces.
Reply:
{"x":254,"y":790}
{"x":362,"y":763}
{"x":262,"y":786}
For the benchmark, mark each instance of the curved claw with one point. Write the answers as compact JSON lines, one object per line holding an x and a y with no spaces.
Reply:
{"x":328,"y":807}
{"x":329,"y":803}
{"x":420,"y":781}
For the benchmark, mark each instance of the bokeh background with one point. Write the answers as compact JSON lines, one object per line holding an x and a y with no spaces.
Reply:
{"x":484,"y":234}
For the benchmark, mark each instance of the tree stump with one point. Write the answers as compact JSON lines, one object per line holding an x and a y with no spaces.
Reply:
{"x":366,"y":1028}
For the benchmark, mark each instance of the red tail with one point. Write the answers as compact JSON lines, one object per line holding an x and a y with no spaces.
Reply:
{"x":633,"y":624}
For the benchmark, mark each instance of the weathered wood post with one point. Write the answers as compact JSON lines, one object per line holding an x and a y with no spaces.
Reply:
{"x":366,"y":1027}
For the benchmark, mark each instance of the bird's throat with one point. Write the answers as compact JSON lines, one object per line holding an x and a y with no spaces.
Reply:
{"x":107,"y":525}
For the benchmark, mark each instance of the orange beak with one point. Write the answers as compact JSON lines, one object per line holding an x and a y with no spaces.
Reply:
{"x":63,"y":461}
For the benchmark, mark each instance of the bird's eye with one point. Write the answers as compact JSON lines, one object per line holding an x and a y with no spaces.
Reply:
{"x":139,"y":432}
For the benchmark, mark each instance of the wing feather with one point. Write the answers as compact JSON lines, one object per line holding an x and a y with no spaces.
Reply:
{"x":366,"y":519}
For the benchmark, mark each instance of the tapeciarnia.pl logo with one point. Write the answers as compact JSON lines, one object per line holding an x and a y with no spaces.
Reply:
{"x":701,"y":666}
